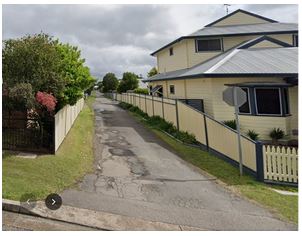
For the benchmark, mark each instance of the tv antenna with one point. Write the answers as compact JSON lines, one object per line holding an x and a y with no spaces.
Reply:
{"x":227,"y":8}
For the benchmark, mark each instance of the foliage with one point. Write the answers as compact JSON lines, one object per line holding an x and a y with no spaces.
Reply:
{"x":128,"y":82}
{"x":109,"y":83}
{"x":35,"y":60}
{"x":253,"y":135}
{"x":48,"y":66}
{"x":231,"y":123}
{"x":141,"y":91}
{"x":161,"y":124}
{"x":75,"y":73}
{"x":46,"y":100}
{"x":277,"y":134}
{"x":19,"y":97}
{"x":152,"y":72}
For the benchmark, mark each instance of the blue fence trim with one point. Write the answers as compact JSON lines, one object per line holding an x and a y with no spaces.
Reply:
{"x":259,"y":161}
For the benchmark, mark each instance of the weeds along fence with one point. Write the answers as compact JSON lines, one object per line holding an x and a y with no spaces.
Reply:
{"x":64,"y":120}
{"x":213,"y":135}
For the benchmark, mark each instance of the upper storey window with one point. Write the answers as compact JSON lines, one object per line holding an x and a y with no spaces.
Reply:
{"x":207,"y":45}
{"x":171,"y":51}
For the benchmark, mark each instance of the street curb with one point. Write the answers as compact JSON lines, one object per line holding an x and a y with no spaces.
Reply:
{"x":95,"y":219}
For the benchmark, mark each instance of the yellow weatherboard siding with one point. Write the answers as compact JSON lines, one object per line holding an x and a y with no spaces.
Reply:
{"x":240,"y":18}
{"x":177,"y":61}
{"x":266,"y":44}
{"x":185,"y":55}
{"x":293,"y":101}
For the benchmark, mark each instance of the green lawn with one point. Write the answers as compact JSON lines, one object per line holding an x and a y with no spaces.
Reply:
{"x":52,"y":173}
{"x":284,"y":206}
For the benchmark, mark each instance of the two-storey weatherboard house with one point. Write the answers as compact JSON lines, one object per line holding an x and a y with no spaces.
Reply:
{"x":242,"y":49}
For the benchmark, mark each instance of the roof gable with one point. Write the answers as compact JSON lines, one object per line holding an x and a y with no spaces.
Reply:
{"x":241,"y":17}
{"x":264,"y":42}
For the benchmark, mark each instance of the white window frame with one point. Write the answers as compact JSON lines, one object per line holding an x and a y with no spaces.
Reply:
{"x":280,"y":102}
{"x":196,"y":45}
{"x":248,"y":96}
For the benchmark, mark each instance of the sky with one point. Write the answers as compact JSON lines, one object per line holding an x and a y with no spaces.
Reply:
{"x":119,"y":38}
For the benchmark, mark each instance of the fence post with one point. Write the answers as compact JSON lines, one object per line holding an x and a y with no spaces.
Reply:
{"x":176,"y":109}
{"x":152,"y":105}
{"x":146,"y":103}
{"x":162,"y":104}
{"x":259,"y":161}
{"x":139,"y":101}
{"x":206,"y":131}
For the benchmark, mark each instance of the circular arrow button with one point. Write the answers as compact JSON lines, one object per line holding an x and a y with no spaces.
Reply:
{"x":28,"y":201}
{"x":53,"y":201}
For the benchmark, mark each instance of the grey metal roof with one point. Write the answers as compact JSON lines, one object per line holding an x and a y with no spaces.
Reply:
{"x":245,"y":29}
{"x":264,"y":61}
{"x":250,"y":61}
{"x":232,"y":30}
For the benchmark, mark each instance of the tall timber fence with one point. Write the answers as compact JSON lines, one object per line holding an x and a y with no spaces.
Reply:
{"x":219,"y":139}
{"x":64,"y":120}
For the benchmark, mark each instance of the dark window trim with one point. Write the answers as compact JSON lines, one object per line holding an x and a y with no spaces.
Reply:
{"x":295,"y":42}
{"x":171,"y":51}
{"x":170,"y":86}
{"x":221,"y":45}
{"x":249,"y":100}
{"x":280,"y":102}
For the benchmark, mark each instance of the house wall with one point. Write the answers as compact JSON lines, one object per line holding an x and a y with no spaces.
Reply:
{"x":240,"y":18}
{"x":266,"y":44}
{"x":293,"y":101}
{"x":185,"y":55}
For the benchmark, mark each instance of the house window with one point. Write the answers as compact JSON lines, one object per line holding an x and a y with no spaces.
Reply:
{"x":245,"y":108}
{"x":205,"y":45}
{"x":268,"y":101}
{"x":172,"y":89}
{"x":295,"y":40}
{"x":171,"y":52}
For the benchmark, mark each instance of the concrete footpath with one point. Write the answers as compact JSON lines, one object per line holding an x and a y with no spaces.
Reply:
{"x":137,"y":175}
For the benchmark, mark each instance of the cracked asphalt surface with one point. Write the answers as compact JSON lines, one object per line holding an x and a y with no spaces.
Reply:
{"x":138,"y":175}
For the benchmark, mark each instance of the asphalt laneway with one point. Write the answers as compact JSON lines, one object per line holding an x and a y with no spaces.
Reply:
{"x":137,"y":175}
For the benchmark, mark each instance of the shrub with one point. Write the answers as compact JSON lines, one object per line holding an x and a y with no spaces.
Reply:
{"x":253,"y":135}
{"x":141,"y":91}
{"x":46,"y":100}
{"x":185,"y":137}
{"x":276,"y":134}
{"x":125,"y":106}
{"x":230,"y":123}
{"x":20,"y":97}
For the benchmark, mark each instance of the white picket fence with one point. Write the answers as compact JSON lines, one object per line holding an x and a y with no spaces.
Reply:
{"x":280,"y":164}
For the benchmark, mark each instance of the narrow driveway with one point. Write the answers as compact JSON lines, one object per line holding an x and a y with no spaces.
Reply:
{"x":138,"y":175}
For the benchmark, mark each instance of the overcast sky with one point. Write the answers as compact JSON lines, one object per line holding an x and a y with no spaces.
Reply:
{"x":118,"y":38}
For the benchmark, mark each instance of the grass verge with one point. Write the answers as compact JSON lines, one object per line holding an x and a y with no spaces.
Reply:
{"x":283,"y":205}
{"x":52,"y":173}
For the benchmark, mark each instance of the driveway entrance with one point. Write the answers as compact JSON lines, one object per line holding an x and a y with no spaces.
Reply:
{"x":138,"y":175}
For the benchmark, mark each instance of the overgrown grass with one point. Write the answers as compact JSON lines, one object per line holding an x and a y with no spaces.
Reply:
{"x":52,"y":173}
{"x":284,"y":206}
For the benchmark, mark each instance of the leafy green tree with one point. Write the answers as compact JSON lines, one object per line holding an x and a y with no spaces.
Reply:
{"x":75,"y":73}
{"x":35,"y":60}
{"x":110,"y":82}
{"x":152,"y":72}
{"x":128,"y":82}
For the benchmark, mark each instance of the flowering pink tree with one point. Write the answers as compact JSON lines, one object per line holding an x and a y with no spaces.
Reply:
{"x":47,"y":100}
